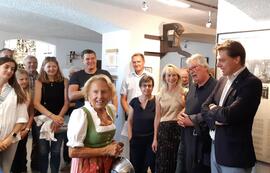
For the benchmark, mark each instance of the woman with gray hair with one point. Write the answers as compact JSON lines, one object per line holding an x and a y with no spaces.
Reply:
{"x":169,"y":103}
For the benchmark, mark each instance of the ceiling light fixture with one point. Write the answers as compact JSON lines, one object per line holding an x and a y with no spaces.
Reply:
{"x":175,"y":3}
{"x":209,"y":22}
{"x":144,"y":5}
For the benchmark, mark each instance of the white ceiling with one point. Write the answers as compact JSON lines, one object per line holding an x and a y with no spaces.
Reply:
{"x":17,"y":16}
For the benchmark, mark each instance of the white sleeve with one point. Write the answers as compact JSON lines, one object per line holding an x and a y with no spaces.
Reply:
{"x":22,"y":113}
{"x":77,"y":128}
{"x":123,"y":89}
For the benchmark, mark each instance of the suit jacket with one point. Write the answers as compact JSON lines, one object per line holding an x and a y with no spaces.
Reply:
{"x":233,"y":139}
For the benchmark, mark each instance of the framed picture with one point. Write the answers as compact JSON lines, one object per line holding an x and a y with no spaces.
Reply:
{"x":149,"y":69}
{"x":111,"y":57}
{"x":256,"y":44}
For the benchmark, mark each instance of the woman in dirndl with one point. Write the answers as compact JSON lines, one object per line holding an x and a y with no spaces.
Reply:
{"x":91,"y":129}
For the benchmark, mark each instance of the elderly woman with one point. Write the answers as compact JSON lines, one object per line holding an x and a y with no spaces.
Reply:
{"x":141,"y":127}
{"x":91,"y":129}
{"x":169,"y":103}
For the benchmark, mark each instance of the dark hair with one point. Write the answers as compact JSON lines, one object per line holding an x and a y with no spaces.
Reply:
{"x":43,"y":77}
{"x":146,"y":78}
{"x":234,"y":49}
{"x":21,"y":97}
{"x":6,"y":49}
{"x":88,"y":51}
{"x":138,"y":54}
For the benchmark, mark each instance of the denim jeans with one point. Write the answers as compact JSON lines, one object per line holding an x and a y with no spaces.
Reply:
{"x":53,"y":149}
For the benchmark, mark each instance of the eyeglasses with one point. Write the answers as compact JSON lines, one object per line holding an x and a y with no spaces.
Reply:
{"x":193,"y":67}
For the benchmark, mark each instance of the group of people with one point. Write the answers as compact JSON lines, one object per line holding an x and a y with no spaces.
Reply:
{"x":200,"y":126}
{"x":196,"y":125}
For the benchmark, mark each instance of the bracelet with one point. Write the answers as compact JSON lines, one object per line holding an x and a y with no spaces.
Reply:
{"x":50,"y":115}
{"x":28,"y":129}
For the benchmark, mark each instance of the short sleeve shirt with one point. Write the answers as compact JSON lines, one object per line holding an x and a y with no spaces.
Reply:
{"x":80,"y":78}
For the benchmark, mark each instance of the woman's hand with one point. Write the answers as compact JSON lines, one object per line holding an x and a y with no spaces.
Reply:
{"x":114,"y":149}
{"x":55,"y":127}
{"x":24,"y":133}
{"x":4,"y":144}
{"x":154,"y":145}
{"x":57,"y":119}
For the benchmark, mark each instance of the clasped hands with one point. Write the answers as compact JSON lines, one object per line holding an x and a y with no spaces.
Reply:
{"x":184,"y":120}
{"x":58,"y":121}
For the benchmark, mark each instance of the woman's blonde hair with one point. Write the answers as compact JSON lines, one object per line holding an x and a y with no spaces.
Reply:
{"x":23,"y":72}
{"x":94,"y":78}
{"x":170,"y":68}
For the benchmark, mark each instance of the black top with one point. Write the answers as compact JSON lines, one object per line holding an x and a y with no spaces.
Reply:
{"x":143,"y":119}
{"x":197,"y":95}
{"x":80,"y":77}
{"x":53,"y":96}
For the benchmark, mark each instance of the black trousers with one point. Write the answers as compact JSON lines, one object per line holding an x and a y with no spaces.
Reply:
{"x":141,"y":154}
{"x":35,"y":147}
{"x":20,"y":161}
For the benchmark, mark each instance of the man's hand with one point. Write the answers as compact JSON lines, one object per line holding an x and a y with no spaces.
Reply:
{"x":212,"y":106}
{"x":184,"y":120}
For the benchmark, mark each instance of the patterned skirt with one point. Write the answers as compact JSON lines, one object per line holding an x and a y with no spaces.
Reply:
{"x":91,"y":165}
{"x":168,"y":141}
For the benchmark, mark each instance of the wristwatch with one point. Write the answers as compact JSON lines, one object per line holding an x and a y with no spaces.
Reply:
{"x":14,"y":135}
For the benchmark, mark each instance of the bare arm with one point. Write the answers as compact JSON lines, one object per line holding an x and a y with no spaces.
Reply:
{"x":74,"y":92}
{"x":156,"y":125}
{"x":37,"y":99}
{"x":124,"y":103}
{"x":26,"y":128}
{"x":130,"y":122}
{"x":113,"y":149}
{"x":66,"y":102}
{"x":4,"y":144}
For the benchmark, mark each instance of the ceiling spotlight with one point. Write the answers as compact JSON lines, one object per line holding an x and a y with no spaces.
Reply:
{"x":144,"y":5}
{"x":209,"y":22}
{"x":175,"y":3}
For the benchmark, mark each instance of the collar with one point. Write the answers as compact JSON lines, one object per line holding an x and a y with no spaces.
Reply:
{"x":235,"y":74}
{"x":205,"y":84}
{"x":135,"y":74}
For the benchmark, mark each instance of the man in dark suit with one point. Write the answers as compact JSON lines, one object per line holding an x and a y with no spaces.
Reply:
{"x":230,"y":110}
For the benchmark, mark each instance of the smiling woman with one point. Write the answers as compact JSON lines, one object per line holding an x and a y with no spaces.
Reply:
{"x":13,"y":110}
{"x":91,"y":129}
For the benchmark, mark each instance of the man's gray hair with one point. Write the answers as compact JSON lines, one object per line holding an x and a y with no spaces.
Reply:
{"x":28,"y":57}
{"x":198,"y":59}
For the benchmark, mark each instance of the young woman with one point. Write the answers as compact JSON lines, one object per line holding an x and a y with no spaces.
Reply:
{"x":91,"y":129}
{"x":169,"y":103}
{"x":51,"y":100}
{"x":20,"y":160}
{"x":13,"y":111}
{"x":141,"y":127}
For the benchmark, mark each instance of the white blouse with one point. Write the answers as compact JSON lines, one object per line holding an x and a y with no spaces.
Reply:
{"x":77,"y":125}
{"x":11,"y":113}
